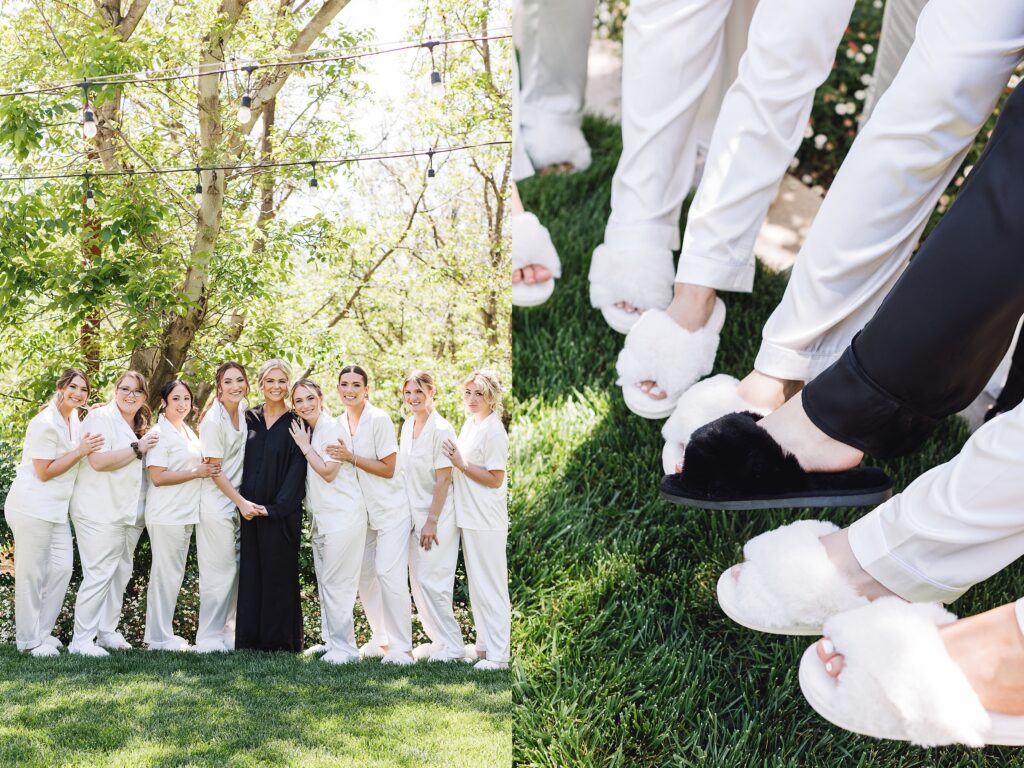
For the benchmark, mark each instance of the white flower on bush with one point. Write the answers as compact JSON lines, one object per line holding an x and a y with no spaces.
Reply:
{"x":808,"y":131}
{"x":860,"y":94}
{"x":793,"y":164}
{"x":868,"y":48}
{"x":860,"y":58}
{"x":867,"y":79}
{"x":820,"y":140}
{"x":807,"y":179}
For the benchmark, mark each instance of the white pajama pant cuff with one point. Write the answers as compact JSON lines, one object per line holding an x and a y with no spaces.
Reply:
{"x":43,"y":559}
{"x":217,"y":556}
{"x":716,"y":274}
{"x":337,"y":557}
{"x":870,"y":548}
{"x":487,"y":573}
{"x":432,"y":578}
{"x":169,"y":545}
{"x":796,"y":365}
{"x":637,"y":235}
{"x":384,"y":586}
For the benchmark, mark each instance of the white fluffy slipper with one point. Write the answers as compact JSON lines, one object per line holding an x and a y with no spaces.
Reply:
{"x":640,"y":276}
{"x":701,"y":404}
{"x":898,"y":682}
{"x":787,"y":584}
{"x":658,"y":350}
{"x":531,"y":244}
{"x":556,"y":143}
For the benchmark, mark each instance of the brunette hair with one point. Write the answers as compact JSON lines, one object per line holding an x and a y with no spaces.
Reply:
{"x":355,"y":369}
{"x":169,"y":387}
{"x":143,"y":416}
{"x":218,"y":377}
{"x":66,"y":377}
{"x":489,"y":382}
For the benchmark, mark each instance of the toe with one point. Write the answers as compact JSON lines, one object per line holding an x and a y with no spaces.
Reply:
{"x":517,"y":276}
{"x":736,"y":569}
{"x":542,"y":274}
{"x":645,"y":386}
{"x":657,"y":393}
{"x":679,"y":467}
{"x":827,"y":653}
{"x":528,"y":277}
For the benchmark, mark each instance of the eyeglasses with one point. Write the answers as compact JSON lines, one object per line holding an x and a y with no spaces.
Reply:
{"x":129,"y":392}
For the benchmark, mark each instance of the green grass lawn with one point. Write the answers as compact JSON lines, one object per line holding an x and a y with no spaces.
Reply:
{"x":624,"y":656}
{"x":180,"y":709}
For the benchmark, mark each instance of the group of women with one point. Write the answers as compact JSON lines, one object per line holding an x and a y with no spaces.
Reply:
{"x":387,"y":517}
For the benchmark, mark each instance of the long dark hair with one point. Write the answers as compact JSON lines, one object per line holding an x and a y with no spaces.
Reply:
{"x":169,"y":387}
{"x":218,"y":377}
{"x":355,"y":369}
{"x":143,"y":416}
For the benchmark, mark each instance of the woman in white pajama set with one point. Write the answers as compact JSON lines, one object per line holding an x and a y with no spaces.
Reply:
{"x":222,"y":435}
{"x":36,"y":509}
{"x":481,"y":513}
{"x":105,"y":503}
{"x":434,"y":546}
{"x":175,"y":467}
{"x":338,"y":517}
{"x":367,"y":442}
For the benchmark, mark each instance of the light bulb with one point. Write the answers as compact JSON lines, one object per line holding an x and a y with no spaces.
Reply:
{"x":90,"y":201}
{"x":88,"y":123}
{"x":314,"y":185}
{"x":244,"y":111}
{"x":430,"y":173}
{"x":198,"y":195}
{"x":436,"y":86}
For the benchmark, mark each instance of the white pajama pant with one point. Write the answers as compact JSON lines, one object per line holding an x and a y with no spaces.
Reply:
{"x":899,"y":20}
{"x":110,"y":613}
{"x":106,"y":551}
{"x":955,"y":525}
{"x":217,"y":555}
{"x":384,"y":586}
{"x":338,"y":558}
{"x":43,"y":558}
{"x":432,"y":577}
{"x":678,"y":59}
{"x":553,"y":37}
{"x":904,"y":157}
{"x":487,"y":574}
{"x":169,"y":545}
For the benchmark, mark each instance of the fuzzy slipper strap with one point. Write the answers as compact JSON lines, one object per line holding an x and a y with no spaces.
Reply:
{"x":701,"y":404}
{"x":531,"y":244}
{"x":896,"y":672}
{"x":641,"y":276}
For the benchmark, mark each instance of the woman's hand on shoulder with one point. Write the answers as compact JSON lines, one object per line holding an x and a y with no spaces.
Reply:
{"x":149,"y":440}
{"x":90,"y":443}
{"x":301,"y":435}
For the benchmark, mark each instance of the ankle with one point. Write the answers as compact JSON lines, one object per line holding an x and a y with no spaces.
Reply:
{"x":837,"y":547}
{"x":691,"y":305}
{"x":767,"y":392}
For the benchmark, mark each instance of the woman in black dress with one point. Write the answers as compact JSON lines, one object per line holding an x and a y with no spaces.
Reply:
{"x":274,"y":479}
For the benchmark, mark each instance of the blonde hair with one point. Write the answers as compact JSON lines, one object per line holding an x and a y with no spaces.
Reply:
{"x":270,"y":365}
{"x":311,"y":385}
{"x":422,"y":378}
{"x":489,"y":384}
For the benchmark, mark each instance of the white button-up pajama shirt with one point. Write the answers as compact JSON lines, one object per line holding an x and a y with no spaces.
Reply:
{"x":105,"y":511}
{"x":218,"y":528}
{"x":37,"y":512}
{"x":432,"y":572}
{"x":339,"y":525}
{"x":481,"y":513}
{"x":172,"y":512}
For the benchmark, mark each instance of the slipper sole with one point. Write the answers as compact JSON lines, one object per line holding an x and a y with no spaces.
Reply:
{"x":534,"y":295}
{"x":619,"y":319}
{"x":860,"y":498}
{"x":646,"y":407}
{"x":729,"y":609}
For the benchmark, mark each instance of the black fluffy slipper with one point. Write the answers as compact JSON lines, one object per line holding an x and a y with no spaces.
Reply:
{"x":732,"y":463}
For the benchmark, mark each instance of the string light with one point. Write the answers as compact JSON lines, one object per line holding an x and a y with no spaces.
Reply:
{"x":430,"y":163}
{"x":154,"y":76}
{"x":88,"y":116}
{"x":245,"y":110}
{"x":90,"y":201}
{"x":436,"y":84}
{"x":199,"y":188}
{"x":256,"y":166}
{"x":314,"y":185}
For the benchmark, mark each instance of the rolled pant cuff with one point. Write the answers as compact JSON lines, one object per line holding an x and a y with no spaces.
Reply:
{"x":848,"y":406}
{"x":714,"y":273}
{"x":785,"y":363}
{"x":867,"y":540}
{"x":645,"y":234}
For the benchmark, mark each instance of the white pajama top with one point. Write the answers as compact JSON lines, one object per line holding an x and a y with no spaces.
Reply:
{"x":338,"y":504}
{"x":478,"y":507}
{"x":219,"y":439}
{"x":174,"y":504}
{"x":110,"y":497}
{"x":375,"y":439}
{"x":418,"y":461}
{"x":47,"y":437}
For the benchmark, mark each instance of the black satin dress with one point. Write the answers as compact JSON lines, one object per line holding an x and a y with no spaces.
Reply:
{"x":269,"y":616}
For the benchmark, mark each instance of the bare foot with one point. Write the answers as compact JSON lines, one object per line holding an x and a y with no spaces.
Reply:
{"x":530,"y":274}
{"x":556,"y":169}
{"x":817,"y":452}
{"x":767,"y":392}
{"x":837,"y":546}
{"x":691,"y":307}
{"x":989,"y":648}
